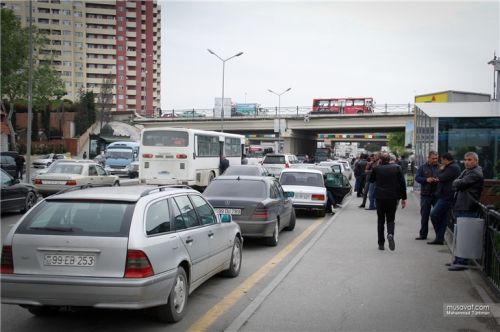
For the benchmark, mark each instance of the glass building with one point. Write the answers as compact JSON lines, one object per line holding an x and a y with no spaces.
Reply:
{"x":458,"y":128}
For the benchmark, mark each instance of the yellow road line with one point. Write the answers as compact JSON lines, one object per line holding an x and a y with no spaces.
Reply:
{"x":227,"y":301}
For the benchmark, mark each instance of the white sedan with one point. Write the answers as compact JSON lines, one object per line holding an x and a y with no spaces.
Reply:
{"x":306,"y":188}
{"x":71,"y":174}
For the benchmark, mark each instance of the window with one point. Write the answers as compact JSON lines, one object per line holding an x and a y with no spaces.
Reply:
{"x":78,"y":14}
{"x":66,"y":12}
{"x":79,"y":34}
{"x":208,"y":146}
{"x":79,"y":44}
{"x":186,"y":211}
{"x":165,"y":138}
{"x":66,"y":43}
{"x":66,"y":63}
{"x":66,"y":22}
{"x":204,"y":210}
{"x":232,"y":147}
{"x":235,"y":188}
{"x":79,"y":25}
{"x":66,"y":32}
{"x":56,"y":22}
{"x":66,"y":73}
{"x":78,"y":74}
{"x":158,"y":218}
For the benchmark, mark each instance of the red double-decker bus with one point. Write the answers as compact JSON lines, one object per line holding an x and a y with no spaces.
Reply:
{"x":343,"y":105}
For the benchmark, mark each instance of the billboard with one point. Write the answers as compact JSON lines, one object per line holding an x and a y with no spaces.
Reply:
{"x":218,"y":107}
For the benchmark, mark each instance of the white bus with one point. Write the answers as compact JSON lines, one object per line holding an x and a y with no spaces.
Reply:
{"x":185,"y":156}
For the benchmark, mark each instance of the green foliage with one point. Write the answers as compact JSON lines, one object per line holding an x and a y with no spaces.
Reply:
{"x":34,"y":128}
{"x":14,"y":43}
{"x":396,"y":142}
{"x":86,"y":112}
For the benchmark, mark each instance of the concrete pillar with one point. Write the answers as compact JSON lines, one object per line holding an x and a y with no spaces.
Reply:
{"x":299,"y":142}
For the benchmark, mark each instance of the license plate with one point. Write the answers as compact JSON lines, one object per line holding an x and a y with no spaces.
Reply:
{"x":236,"y":212}
{"x":69,"y":260}
{"x":53,"y":182}
{"x":302,"y":196}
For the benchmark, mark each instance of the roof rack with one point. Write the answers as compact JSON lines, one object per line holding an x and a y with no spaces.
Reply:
{"x":162,"y":188}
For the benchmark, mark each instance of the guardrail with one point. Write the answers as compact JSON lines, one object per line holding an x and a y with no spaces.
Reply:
{"x":272,"y":112}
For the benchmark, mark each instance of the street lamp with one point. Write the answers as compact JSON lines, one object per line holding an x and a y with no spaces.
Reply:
{"x":279,"y":113}
{"x":223,"y":70}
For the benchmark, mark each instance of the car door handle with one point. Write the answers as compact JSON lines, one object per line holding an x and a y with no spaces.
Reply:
{"x":189,"y":240}
{"x":210,"y":234}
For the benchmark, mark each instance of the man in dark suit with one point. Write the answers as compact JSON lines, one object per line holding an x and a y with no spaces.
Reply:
{"x":390,"y":187}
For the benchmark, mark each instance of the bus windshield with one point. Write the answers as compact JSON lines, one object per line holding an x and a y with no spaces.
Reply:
{"x":120,"y":154}
{"x":165,"y":138}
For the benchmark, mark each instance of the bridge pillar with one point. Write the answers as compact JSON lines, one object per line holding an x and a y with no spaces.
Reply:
{"x":299,"y":142}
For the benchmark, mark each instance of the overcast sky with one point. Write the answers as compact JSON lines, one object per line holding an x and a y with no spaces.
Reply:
{"x":387,"y":50}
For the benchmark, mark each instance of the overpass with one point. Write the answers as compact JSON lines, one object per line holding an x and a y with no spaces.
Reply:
{"x":298,"y":132}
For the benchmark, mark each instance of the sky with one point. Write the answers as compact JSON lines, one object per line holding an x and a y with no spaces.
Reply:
{"x":388,"y":50}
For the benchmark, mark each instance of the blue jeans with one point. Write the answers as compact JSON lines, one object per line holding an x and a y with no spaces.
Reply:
{"x":426,"y":203}
{"x":371,"y":195}
{"x":467,"y":214}
{"x":439,"y":218}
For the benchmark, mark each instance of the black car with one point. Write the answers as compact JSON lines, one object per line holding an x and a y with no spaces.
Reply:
{"x":8,"y":164}
{"x":257,"y":203}
{"x":256,"y":170}
{"x":16,"y":195}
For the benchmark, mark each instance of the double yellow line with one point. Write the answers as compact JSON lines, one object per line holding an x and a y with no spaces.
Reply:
{"x":229,"y":300}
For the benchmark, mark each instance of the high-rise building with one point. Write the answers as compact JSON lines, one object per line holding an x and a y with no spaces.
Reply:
{"x":90,"y":41}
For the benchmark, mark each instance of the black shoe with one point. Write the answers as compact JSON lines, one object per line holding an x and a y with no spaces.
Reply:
{"x":361,"y":206}
{"x":371,"y":209}
{"x":392,"y":245}
{"x":381,"y":248}
{"x":436,"y":242}
{"x":420,"y":238}
{"x":457,"y":268}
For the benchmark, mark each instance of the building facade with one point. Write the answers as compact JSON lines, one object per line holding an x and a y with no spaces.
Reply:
{"x":91,"y":41}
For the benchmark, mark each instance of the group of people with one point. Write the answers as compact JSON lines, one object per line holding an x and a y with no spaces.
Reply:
{"x":447,"y":190}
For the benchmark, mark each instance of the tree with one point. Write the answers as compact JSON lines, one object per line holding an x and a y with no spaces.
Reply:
{"x":105,"y":99}
{"x":86,"y":112}
{"x":397,"y":142}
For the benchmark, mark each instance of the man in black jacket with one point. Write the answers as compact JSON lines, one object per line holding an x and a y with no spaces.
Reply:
{"x":390,"y":187}
{"x":427,"y":177}
{"x":468,"y":187}
{"x":359,"y":174}
{"x":448,"y":171}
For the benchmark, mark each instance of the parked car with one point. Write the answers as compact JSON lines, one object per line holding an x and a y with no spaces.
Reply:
{"x":275,"y":162}
{"x":338,"y":166}
{"x":306,"y":187}
{"x":133,"y":169}
{"x":66,"y":175}
{"x":256,"y":170}
{"x":8,"y":164}
{"x":16,"y":195}
{"x":121,"y":248}
{"x":57,"y":161}
{"x":46,"y":160}
{"x":257,"y":203}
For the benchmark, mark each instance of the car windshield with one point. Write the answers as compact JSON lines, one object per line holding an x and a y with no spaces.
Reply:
{"x":274,"y":160}
{"x":47,"y":156}
{"x":242,"y":170}
{"x":66,"y":169}
{"x":236,"y":188}
{"x":85,"y":218}
{"x":302,"y":179}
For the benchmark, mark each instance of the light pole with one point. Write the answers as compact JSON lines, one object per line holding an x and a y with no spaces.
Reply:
{"x":279,"y":113}
{"x":223,"y":70}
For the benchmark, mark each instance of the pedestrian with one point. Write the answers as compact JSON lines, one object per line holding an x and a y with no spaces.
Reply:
{"x":468,"y":187}
{"x":448,"y":172}
{"x":223,"y":165}
{"x":306,"y":159}
{"x":368,"y":172}
{"x":244,"y":159}
{"x":84,"y":154}
{"x":372,"y":186}
{"x":19,"y":166}
{"x":359,"y":174}
{"x":403,"y":163}
{"x":427,"y":177}
{"x":390,"y":188}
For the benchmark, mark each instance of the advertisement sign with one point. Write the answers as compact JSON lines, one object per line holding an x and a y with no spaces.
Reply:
{"x":218,"y":107}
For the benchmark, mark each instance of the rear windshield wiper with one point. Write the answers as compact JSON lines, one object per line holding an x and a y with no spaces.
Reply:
{"x":54,"y":229}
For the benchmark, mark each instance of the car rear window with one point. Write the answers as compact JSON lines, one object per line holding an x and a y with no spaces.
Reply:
{"x":66,"y":169}
{"x":236,"y":188}
{"x":79,"y":218}
{"x":301,"y":179}
{"x":274,"y":160}
{"x":235,"y":170}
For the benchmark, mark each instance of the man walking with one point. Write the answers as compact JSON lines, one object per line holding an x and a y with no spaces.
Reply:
{"x":359,"y":174}
{"x":448,"y":171}
{"x":427,"y":177}
{"x":390,"y":187}
{"x":468,"y":187}
{"x":223,"y":165}
{"x":19,"y":166}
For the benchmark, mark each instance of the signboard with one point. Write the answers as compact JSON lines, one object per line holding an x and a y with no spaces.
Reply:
{"x":227,"y":107}
{"x":280,"y":126}
{"x":441,"y":97}
{"x":247,"y":109}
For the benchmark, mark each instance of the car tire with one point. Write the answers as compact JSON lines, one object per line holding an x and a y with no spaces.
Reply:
{"x":235,"y":263}
{"x":322,"y":212}
{"x":273,"y":240}
{"x":116,"y":184}
{"x":29,"y":202}
{"x":175,"y":308}
{"x":291,"y":225}
{"x":43,"y":310}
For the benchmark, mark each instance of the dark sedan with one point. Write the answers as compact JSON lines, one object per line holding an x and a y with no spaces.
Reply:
{"x":8,"y":164}
{"x":16,"y":195}
{"x":257,"y":203}
{"x":256,"y":170}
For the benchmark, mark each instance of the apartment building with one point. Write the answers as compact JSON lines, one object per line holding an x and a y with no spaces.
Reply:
{"x":90,"y":41}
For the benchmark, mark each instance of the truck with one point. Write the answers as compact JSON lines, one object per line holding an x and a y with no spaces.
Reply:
{"x":119,"y":156}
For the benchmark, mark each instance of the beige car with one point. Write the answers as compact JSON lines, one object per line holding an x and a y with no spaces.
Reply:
{"x":70,"y":174}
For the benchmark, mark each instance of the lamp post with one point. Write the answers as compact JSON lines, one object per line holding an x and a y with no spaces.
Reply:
{"x":279,"y":113}
{"x":223,"y":70}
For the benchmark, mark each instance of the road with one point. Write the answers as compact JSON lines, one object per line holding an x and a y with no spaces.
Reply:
{"x":260,"y":265}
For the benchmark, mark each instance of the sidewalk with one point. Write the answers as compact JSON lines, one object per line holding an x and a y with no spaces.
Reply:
{"x":344,"y":283}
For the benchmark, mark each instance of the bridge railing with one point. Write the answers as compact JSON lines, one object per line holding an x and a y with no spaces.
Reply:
{"x":272,"y":112}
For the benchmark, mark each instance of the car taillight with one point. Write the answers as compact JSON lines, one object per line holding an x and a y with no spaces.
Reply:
{"x":138,"y":265}
{"x":181,"y":156}
{"x":71,"y":183}
{"x":286,"y":165}
{"x":317,"y":197}
{"x":147,"y":155}
{"x":38,"y":181}
{"x":6,"y":260}
{"x":260,"y":214}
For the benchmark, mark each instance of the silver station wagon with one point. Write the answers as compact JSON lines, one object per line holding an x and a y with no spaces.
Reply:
{"x":123,"y":247}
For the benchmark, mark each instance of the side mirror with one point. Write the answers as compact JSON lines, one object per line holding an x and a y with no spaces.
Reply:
{"x":16,"y":181}
{"x":225,"y":218}
{"x":289,"y":194}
